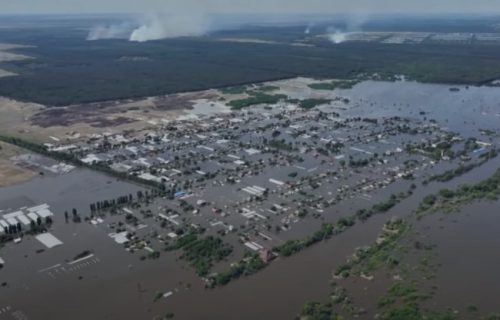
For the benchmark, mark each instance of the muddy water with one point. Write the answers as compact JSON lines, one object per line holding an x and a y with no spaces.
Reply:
{"x":276,"y":293}
{"x":76,"y":189}
{"x":279,"y":291}
{"x":465,"y":111}
{"x":118,"y":286}
{"x":468,"y":249}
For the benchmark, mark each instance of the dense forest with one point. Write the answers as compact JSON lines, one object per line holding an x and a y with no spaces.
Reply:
{"x":66,"y":69}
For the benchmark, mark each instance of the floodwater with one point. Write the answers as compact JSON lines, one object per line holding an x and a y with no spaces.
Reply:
{"x":76,"y":189}
{"x":464,"y":111}
{"x":114,"y":284}
{"x":467,"y":248}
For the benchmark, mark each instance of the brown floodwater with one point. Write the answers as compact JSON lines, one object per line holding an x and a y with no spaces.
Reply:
{"x":114,"y":284}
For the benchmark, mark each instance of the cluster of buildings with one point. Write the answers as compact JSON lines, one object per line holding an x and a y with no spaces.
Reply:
{"x":24,"y":218}
{"x":255,"y":176}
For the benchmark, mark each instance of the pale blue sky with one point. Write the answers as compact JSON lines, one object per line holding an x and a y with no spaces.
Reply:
{"x":249,"y":6}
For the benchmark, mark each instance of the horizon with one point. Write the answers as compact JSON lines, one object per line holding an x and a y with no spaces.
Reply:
{"x":356,"y":7}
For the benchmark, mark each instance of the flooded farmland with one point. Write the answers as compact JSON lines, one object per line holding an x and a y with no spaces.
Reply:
{"x":315,"y":167}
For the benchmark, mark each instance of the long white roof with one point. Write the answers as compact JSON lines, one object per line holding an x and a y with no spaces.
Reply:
{"x":44,"y":213}
{"x":24,"y":220}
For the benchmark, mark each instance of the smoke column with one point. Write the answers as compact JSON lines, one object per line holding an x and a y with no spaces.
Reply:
{"x":157,"y":27}
{"x":118,"y":31}
{"x":354,"y":23}
{"x":338,"y":37}
{"x":154,"y":27}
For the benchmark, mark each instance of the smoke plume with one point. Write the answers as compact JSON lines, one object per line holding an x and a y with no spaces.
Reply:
{"x":154,"y":27}
{"x":353,"y":23}
{"x":308,"y":29}
{"x":118,"y":31}
{"x":338,"y":37}
{"x":158,"y":27}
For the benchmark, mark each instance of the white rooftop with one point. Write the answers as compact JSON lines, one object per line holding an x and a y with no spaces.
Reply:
{"x":48,"y":240}
{"x":44,"y":213}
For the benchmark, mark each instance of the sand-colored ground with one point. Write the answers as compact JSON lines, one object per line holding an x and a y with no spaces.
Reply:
{"x":75,"y":123}
{"x":10,"y":173}
{"x":41,"y":124}
{"x":78,"y":122}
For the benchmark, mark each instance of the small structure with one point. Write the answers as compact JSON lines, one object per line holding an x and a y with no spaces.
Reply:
{"x":265,"y":255}
{"x":48,"y":240}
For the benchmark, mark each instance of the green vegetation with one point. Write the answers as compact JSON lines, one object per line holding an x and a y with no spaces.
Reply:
{"x":202,"y":253}
{"x":252,"y":264}
{"x":451,"y":174}
{"x":382,"y":207}
{"x":248,"y":266}
{"x":327,"y":230}
{"x":403,"y":299}
{"x":402,"y":302}
{"x":338,"y":84}
{"x":367,"y":259}
{"x":280,"y":145}
{"x":463,"y":169}
{"x":311,"y":103}
{"x":234,"y":90}
{"x":412,"y":311}
{"x":451,"y":200}
{"x":158,"y":296}
{"x":268,"y":88}
{"x":69,"y":70}
{"x":401,"y":292}
{"x":434,"y":151}
{"x":318,"y":311}
{"x":406,"y":297}
{"x":257,"y":98}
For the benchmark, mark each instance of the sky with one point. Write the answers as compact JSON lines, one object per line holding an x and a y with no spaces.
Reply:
{"x":248,"y":6}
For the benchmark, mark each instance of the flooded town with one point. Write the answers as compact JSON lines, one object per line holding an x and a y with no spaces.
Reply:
{"x":221,"y":199}
{"x":249,"y":160}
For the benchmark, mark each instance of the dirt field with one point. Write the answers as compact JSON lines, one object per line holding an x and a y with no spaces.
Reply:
{"x":10,"y":173}
{"x":135,"y":116}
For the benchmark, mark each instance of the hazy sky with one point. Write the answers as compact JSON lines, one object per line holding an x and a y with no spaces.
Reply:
{"x":249,"y":6}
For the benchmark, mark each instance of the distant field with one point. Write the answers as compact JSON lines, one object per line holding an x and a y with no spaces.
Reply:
{"x":69,"y":70}
{"x":9,"y":172}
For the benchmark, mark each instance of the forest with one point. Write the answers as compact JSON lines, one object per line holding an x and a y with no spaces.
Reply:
{"x":66,"y":69}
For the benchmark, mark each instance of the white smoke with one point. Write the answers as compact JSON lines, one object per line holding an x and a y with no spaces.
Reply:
{"x":118,"y":31}
{"x":308,"y":29}
{"x":338,"y":37}
{"x":156,"y":27}
{"x":353,"y":23}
